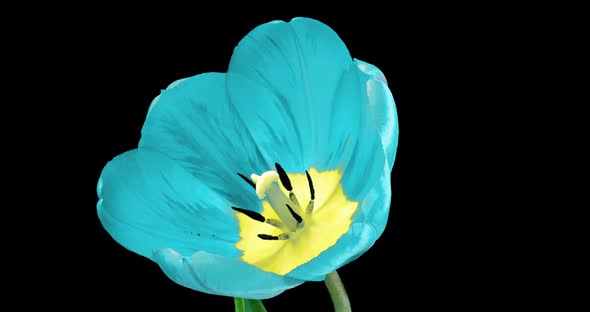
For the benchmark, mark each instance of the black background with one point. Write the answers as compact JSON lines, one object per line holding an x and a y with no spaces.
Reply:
{"x":431,"y":253}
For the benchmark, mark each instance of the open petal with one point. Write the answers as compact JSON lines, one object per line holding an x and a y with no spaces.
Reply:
{"x":148,"y":202}
{"x":382,"y":108}
{"x":282,"y":79}
{"x":354,"y":141}
{"x":214,"y":274}
{"x":369,"y":223}
{"x":192,"y":123}
{"x":305,"y":102}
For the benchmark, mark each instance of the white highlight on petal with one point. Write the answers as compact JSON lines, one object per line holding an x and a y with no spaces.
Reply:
{"x":371,"y":70}
{"x":175,"y":83}
{"x":155,"y":100}
{"x":377,"y":94}
{"x":381,"y":101}
{"x":99,"y":188}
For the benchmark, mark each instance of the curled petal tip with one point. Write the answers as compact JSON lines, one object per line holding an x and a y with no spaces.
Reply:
{"x":99,"y":188}
{"x":371,"y":70}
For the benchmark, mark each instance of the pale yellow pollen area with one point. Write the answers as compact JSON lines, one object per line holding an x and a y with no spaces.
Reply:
{"x":330,"y":219}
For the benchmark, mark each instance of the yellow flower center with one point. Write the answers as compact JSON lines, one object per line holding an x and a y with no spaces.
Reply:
{"x":302,"y":216}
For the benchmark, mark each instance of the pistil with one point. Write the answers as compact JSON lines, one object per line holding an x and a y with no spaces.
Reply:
{"x":287,"y":209}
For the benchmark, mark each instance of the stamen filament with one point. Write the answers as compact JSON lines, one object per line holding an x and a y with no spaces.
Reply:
{"x":276,"y":223}
{"x":309,"y":209}
{"x":293,"y":198}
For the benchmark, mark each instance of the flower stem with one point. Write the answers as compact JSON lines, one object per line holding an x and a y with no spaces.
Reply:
{"x":337,"y":293}
{"x":248,"y":305}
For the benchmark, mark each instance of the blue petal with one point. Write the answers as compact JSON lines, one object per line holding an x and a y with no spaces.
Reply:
{"x":282,"y":79}
{"x":157,"y":98}
{"x":369,"y":223}
{"x":214,"y":274}
{"x":193,"y":123}
{"x":354,"y":144}
{"x":148,"y":202}
{"x":305,"y":102}
{"x":382,"y":108}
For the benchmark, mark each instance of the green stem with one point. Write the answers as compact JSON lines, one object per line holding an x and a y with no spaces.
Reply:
{"x":337,"y":293}
{"x":248,"y":305}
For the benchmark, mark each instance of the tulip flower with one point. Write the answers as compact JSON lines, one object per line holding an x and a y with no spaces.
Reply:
{"x":254,"y":181}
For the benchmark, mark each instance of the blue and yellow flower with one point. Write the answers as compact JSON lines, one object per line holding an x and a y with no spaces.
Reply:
{"x":251,"y":182}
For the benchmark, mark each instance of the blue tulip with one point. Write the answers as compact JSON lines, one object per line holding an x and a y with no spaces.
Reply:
{"x":251,"y":182}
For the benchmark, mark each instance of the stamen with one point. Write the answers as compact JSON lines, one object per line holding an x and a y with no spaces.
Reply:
{"x":309,"y":209}
{"x":252,"y":214}
{"x":293,"y":198}
{"x":268,"y":237}
{"x":276,"y":223}
{"x":294,"y":214}
{"x":311,"y":190}
{"x":247,"y":180}
{"x":282,"y":236}
{"x":284,"y":177}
